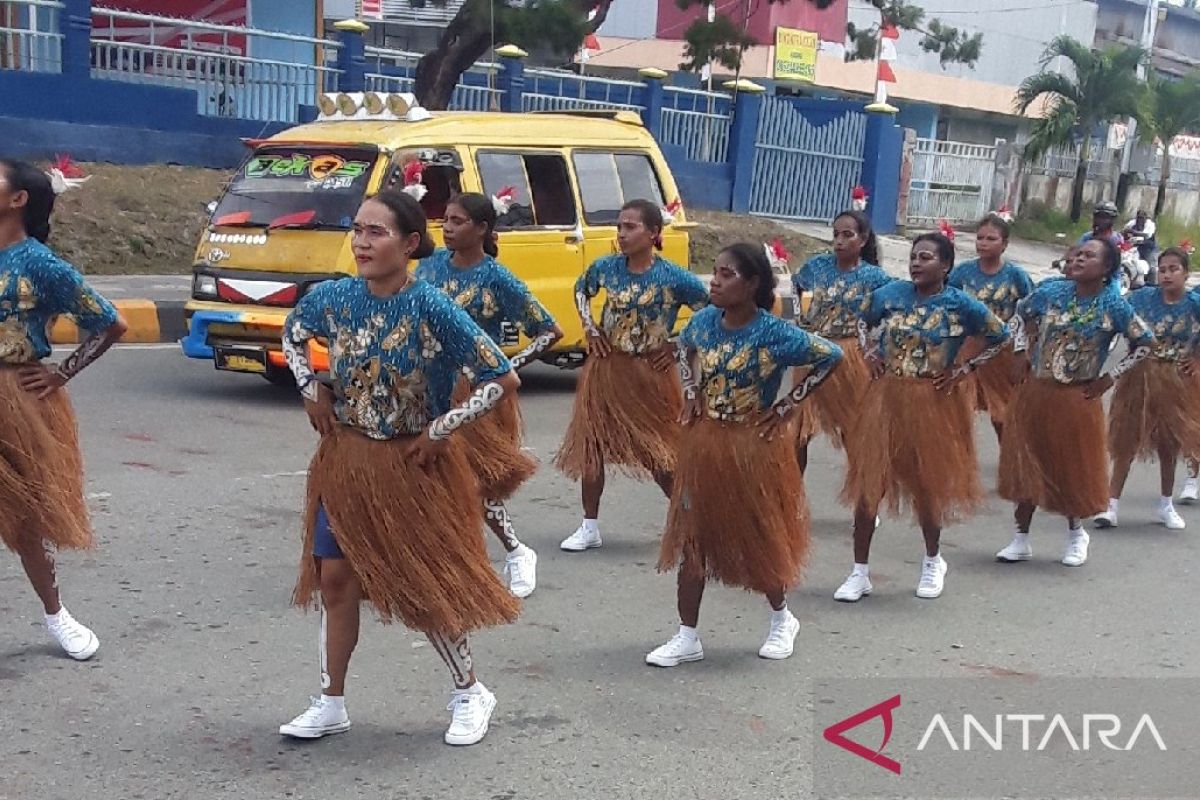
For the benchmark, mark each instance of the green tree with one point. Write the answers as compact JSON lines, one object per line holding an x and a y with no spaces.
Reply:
{"x":1170,"y":108}
{"x":559,"y":25}
{"x":724,"y":40}
{"x":1103,"y":88}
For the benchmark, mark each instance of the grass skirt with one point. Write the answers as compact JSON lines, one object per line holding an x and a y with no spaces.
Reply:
{"x":1154,"y":405}
{"x":915,"y":447}
{"x":993,"y":385}
{"x":494,"y":446}
{"x":834,"y":407}
{"x":738,"y":512}
{"x":626,"y":416}
{"x":1053,"y":451}
{"x":41,"y":470}
{"x":411,"y":535}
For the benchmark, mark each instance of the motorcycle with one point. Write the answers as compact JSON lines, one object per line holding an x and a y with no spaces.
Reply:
{"x":1134,"y":268}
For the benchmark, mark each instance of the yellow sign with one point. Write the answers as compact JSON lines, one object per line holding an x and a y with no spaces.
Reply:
{"x":795,"y":55}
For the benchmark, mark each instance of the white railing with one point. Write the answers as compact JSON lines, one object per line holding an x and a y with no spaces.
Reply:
{"x":214,"y":60}
{"x":431,"y":14}
{"x":555,"y":90}
{"x":388,"y":83}
{"x":951,"y":181}
{"x":703,"y":137}
{"x":1062,"y":162}
{"x":29,"y":35}
{"x":1185,"y":173}
{"x":699,"y":100}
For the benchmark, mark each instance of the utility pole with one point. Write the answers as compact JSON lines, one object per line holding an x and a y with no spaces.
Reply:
{"x":1149,"y":29}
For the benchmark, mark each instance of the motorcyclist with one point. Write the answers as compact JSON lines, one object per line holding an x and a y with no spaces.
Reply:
{"x":1104,"y":216}
{"x":1144,"y":228}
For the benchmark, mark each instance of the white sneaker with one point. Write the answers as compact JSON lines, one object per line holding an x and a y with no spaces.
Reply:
{"x":781,"y":639}
{"x":1191,"y":491}
{"x":472,"y":713}
{"x":854,"y":588}
{"x":1076,"y":554}
{"x":521,"y":567}
{"x":1106,"y":520}
{"x":1170,"y":517}
{"x":933,"y":578}
{"x":676,"y":652}
{"x":76,"y":639}
{"x":582,"y":539}
{"x":323,"y":717}
{"x":1017,"y":550}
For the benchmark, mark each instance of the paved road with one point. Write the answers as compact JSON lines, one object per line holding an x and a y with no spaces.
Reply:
{"x":196,"y":485}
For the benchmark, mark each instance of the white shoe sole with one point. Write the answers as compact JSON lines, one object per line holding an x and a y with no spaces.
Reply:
{"x":1073,"y":563}
{"x":83,"y":655}
{"x":475,"y":737}
{"x":1014,"y":559}
{"x":927,"y":594}
{"x":575,"y":549}
{"x":658,"y":661}
{"x":850,"y":598}
{"x":313,"y":733}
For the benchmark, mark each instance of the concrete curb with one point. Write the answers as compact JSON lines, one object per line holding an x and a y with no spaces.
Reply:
{"x":150,"y":321}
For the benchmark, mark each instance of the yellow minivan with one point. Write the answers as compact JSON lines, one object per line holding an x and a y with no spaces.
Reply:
{"x":282,"y":225}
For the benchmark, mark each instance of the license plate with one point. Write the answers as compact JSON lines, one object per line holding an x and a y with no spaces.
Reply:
{"x":241,"y":359}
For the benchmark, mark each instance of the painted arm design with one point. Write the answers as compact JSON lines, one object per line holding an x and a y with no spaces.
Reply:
{"x":1018,"y":334}
{"x":483,"y":400}
{"x":88,"y":351}
{"x":1127,"y":363}
{"x":868,"y":338}
{"x":534,"y":349}
{"x":295,"y":352}
{"x":819,"y":372}
{"x":686,"y":376}
{"x":584,"y":306}
{"x":978,"y":361}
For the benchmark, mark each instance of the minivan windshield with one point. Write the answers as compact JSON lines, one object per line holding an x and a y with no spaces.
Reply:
{"x":309,"y":187}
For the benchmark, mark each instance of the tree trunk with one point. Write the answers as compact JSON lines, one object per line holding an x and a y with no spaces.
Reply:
{"x":1085,"y":151}
{"x":465,"y":40}
{"x":468,"y":38}
{"x":1161,"y":200}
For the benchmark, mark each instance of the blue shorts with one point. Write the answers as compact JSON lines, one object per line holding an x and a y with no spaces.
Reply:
{"x":324,"y":542}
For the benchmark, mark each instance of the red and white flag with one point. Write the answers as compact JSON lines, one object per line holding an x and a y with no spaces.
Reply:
{"x":887,"y":52}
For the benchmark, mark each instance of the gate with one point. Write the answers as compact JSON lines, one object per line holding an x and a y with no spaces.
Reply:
{"x":950,"y":181}
{"x":804,"y":170}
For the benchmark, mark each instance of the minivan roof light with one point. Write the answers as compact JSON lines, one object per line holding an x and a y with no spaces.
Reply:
{"x":396,"y":106}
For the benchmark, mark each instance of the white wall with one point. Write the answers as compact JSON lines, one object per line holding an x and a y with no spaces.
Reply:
{"x":631,"y":19}
{"x":1014,"y":35}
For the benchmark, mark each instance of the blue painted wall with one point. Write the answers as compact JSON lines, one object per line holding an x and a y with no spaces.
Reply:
{"x":920,"y":117}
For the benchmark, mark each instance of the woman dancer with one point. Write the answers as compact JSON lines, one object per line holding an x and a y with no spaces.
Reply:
{"x":738,"y":512}
{"x":41,"y":470}
{"x":628,"y":402}
{"x":1155,"y":409}
{"x":1053,"y":453}
{"x":841,"y":283}
{"x":998,"y":284}
{"x":393,"y":513}
{"x":467,"y":270}
{"x":915,"y":444}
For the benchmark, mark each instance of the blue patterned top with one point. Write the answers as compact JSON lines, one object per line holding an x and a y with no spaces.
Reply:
{"x":741,"y":370}
{"x":999,"y":292}
{"x":35,"y":287}
{"x":1073,"y":335}
{"x":640,"y":310}
{"x":394,"y":360}
{"x":839,"y":297}
{"x":921,"y":336}
{"x":489,"y":292}
{"x":1176,"y":326}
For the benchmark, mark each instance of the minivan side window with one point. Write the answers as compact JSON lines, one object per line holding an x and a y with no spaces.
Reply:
{"x":608,"y":181}
{"x":542,"y":186}
{"x":441,"y":176}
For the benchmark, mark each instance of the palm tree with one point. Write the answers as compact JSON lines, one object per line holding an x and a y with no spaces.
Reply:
{"x":1171,"y":108}
{"x":1104,"y":88}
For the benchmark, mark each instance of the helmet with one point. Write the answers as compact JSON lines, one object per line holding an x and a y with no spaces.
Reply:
{"x":1105,"y":209}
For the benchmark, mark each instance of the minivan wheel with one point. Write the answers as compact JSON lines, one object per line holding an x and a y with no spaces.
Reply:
{"x":279,"y":376}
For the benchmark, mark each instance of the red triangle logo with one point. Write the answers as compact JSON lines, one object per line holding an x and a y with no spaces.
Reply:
{"x":834,"y":733}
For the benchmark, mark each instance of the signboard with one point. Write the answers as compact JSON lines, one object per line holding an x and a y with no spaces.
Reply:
{"x":219,"y":12}
{"x":795,"y":55}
